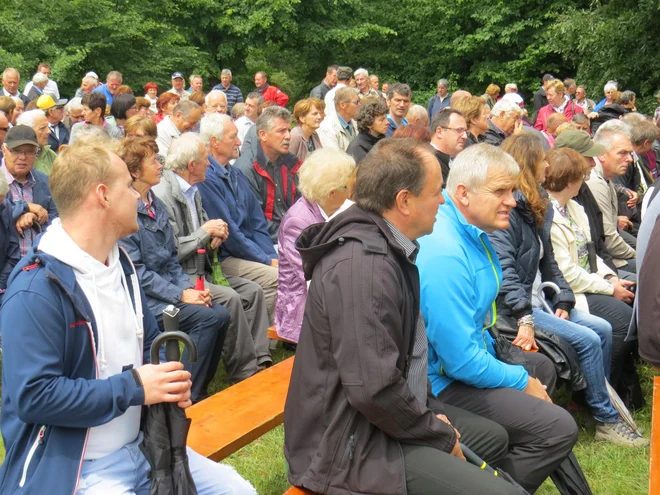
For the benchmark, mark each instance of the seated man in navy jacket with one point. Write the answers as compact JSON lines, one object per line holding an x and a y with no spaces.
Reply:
{"x":28,"y":188}
{"x":248,"y":252}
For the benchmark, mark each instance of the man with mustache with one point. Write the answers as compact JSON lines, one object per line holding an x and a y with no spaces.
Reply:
{"x":460,"y":277}
{"x":272,"y":174}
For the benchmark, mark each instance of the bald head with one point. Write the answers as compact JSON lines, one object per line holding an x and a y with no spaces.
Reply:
{"x":10,"y":80}
{"x":457,"y":95}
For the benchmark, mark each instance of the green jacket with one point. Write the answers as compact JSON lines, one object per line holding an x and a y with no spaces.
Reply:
{"x":45,"y":160}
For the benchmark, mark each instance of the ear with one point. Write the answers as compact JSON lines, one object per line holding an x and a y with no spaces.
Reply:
{"x":402,"y":201}
{"x":101,"y":193}
{"x":461,"y":195}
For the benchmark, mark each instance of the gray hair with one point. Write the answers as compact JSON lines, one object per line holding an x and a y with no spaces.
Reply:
{"x":627,"y":97}
{"x":216,"y":93}
{"x":90,"y":79}
{"x":39,"y":78}
{"x":8,"y":69}
{"x":213,"y":125}
{"x":28,"y":118}
{"x":4,"y":186}
{"x":185,"y":107}
{"x":266,"y":120}
{"x":74,"y":104}
{"x":344,"y":95}
{"x":470,"y":167}
{"x":511,"y":86}
{"x":608,"y":130}
{"x":193,"y":77}
{"x":324,"y":171}
{"x":226,"y":72}
{"x":365,"y":72}
{"x":610,"y":86}
{"x":632,"y":119}
{"x":183,"y":150}
{"x":399,"y":88}
{"x":255,"y":96}
{"x":506,"y":106}
{"x":91,"y":134}
{"x":417,"y":111}
{"x":443,"y":82}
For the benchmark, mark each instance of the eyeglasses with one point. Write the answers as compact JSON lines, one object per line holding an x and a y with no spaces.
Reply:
{"x":25,"y":154}
{"x":457,"y":130}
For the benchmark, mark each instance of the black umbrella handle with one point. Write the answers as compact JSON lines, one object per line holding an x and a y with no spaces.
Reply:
{"x":172,"y":336}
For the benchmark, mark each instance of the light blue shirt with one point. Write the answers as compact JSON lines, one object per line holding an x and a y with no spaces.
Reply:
{"x":189,"y":193}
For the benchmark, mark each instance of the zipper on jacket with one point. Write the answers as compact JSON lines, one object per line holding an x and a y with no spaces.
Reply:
{"x":37,"y":441}
{"x":350,"y":449}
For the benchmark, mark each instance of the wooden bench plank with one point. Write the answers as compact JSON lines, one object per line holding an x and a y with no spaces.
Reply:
{"x":238,"y":415}
{"x":654,"y":467}
{"x":273,"y":335}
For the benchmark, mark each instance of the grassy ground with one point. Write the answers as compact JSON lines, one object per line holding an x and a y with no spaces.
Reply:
{"x":610,"y":470}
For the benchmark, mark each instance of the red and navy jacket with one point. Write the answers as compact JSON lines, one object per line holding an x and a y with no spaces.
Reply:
{"x":275,"y":184}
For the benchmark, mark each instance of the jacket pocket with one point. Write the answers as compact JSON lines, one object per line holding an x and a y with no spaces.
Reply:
{"x":39,"y":440}
{"x":349,"y":450}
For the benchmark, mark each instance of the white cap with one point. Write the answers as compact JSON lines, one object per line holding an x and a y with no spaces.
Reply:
{"x":92,"y":74}
{"x":514,"y":97}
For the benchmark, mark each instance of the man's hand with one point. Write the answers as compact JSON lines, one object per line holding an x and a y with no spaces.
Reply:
{"x":274,"y":263}
{"x":192,"y":296}
{"x":518,"y":128}
{"x":536,"y":389}
{"x":624,"y":223}
{"x":633,"y":197}
{"x":25,"y":222}
{"x":525,"y":338}
{"x":215,"y":228}
{"x":456,"y":451}
{"x":165,"y":382}
{"x":561,"y":313}
{"x":215,"y":242}
{"x":40,"y":211}
{"x":620,"y":291}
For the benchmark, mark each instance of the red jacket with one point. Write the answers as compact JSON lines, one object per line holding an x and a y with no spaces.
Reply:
{"x":570,"y":109}
{"x":271,"y":93}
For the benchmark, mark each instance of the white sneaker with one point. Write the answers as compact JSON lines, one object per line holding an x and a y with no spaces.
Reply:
{"x":620,"y":433}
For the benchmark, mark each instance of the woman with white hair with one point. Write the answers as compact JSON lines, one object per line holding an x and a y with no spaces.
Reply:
{"x":324,"y":180}
{"x":611,"y":92}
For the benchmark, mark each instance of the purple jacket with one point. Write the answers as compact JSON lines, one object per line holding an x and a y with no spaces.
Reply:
{"x":292,"y":288}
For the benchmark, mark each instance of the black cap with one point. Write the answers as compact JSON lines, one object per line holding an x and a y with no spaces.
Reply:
{"x":19,"y":135}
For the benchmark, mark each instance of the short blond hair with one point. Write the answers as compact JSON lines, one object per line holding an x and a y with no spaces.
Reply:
{"x":77,"y":169}
{"x":324,"y":171}
{"x":557,"y":85}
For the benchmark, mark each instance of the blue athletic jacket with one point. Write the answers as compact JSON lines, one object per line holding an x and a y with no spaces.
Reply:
{"x":460,"y":276}
{"x":50,"y":394}
{"x":226,"y":194}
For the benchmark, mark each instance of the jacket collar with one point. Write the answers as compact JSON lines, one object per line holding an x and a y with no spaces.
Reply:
{"x":452,"y":211}
{"x":170,"y":181}
{"x":217,"y":167}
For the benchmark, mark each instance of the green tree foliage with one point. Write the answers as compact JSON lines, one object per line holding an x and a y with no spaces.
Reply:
{"x":470,"y":42}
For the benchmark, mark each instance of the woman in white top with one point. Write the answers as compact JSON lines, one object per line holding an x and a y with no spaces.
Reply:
{"x":597,"y":288}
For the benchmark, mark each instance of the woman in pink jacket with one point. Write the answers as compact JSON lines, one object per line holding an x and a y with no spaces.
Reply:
{"x":325,"y":181}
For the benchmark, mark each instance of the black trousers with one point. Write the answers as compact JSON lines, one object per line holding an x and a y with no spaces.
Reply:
{"x":207,"y":328}
{"x":431,"y":471}
{"x":541,"y":434}
{"x":618,"y":314}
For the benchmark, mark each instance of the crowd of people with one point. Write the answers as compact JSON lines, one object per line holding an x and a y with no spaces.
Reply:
{"x":386,"y":240}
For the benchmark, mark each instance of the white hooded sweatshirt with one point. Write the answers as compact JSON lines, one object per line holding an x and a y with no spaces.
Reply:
{"x":119,"y":329}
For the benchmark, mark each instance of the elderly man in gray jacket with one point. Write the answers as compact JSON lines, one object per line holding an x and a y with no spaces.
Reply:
{"x":246,"y":348}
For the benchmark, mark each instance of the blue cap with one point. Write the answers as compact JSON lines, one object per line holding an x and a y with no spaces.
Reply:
{"x":177,"y":74}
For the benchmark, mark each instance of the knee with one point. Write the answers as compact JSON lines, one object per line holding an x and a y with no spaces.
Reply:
{"x":499,"y":446}
{"x":221,"y":315}
{"x":566,"y":429}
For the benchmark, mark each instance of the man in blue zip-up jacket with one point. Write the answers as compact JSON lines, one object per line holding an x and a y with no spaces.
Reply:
{"x":77,"y":337}
{"x":460,"y":276}
{"x":248,"y":252}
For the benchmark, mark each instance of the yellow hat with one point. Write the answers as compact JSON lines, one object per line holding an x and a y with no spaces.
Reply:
{"x":46,"y":102}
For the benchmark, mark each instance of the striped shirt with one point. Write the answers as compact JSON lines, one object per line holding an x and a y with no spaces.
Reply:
{"x":22,"y":192}
{"x":233,"y":93}
{"x":417,"y":367}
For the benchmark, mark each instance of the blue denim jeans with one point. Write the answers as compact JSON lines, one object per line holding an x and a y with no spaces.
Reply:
{"x":591,"y":337}
{"x":126,"y":472}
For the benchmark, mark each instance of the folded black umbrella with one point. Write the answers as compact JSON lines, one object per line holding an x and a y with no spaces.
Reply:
{"x":473,"y":458}
{"x":569,"y":478}
{"x":166,"y":425}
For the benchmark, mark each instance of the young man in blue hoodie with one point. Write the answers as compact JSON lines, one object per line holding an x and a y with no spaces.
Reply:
{"x":77,"y":335}
{"x":460,"y":276}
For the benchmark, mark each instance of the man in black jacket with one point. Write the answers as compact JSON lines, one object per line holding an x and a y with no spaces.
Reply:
{"x":449,"y":136}
{"x":359,"y":416}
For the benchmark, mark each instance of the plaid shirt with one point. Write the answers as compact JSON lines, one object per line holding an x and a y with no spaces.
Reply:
{"x":23,"y":192}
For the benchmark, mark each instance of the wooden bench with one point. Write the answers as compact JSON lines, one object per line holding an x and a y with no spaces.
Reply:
{"x":238,"y":415}
{"x":272,"y":334}
{"x":654,"y":467}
